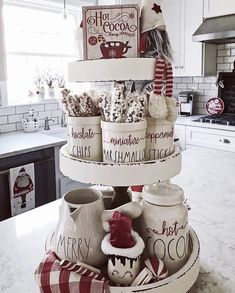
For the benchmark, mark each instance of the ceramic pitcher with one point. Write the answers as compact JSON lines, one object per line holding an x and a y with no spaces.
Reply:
{"x":79,"y":232}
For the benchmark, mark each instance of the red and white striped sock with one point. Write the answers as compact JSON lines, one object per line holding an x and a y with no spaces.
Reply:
{"x":159,"y":75}
{"x":169,"y":80}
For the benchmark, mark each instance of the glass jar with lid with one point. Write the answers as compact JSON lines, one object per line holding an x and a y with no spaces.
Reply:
{"x":164,"y":224}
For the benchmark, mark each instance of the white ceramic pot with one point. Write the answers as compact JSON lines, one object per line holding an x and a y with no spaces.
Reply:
{"x":164,"y":224}
{"x":123,"y":142}
{"x":79,"y":232}
{"x":159,"y":139}
{"x":123,"y":270}
{"x":84,"y":138}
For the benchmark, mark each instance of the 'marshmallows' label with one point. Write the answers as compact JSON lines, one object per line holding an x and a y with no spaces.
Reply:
{"x":159,"y":139}
{"x":123,"y":142}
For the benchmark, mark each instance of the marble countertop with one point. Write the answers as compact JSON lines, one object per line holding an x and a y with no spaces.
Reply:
{"x":189,"y":120}
{"x":19,"y":142}
{"x":207,"y":178}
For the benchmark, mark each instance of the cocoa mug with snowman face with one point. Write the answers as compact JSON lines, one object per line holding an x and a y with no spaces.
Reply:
{"x":114,"y":49}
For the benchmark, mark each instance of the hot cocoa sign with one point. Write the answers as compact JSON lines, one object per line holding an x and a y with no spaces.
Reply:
{"x":111,"y":31}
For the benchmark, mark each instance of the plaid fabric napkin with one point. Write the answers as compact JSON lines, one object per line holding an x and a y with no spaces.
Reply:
{"x":54,"y":278}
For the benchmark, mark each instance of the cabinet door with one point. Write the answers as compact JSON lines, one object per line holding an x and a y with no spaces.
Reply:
{"x":172,"y":13}
{"x":211,"y":138}
{"x":180,"y":136}
{"x":191,"y":57}
{"x":214,"y":8}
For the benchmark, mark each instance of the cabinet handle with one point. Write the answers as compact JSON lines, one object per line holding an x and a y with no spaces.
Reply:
{"x":176,"y":67}
{"x":225,"y":140}
{"x":176,"y":139}
{"x":181,"y":67}
{"x":4,"y":172}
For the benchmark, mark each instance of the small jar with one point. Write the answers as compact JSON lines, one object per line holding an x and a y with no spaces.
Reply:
{"x":164,"y":224}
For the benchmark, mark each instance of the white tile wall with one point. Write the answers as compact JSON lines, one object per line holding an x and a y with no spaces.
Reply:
{"x":10,"y":117}
{"x":205,"y":87}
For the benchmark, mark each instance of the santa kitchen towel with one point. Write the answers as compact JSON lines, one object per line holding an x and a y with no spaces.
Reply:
{"x":22,"y":189}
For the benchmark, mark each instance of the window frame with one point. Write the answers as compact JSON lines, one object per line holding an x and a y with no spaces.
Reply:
{"x":57,"y":7}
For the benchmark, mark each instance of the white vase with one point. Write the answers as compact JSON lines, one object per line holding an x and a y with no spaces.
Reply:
{"x":84,"y":138}
{"x":51,"y":92}
{"x":159,"y":139}
{"x":164,"y":224}
{"x":123,"y":142}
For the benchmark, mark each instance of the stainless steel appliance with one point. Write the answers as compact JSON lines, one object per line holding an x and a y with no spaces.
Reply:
{"x":226,"y":91}
{"x":217,"y":30}
{"x":223,"y":119}
{"x":185,"y":100}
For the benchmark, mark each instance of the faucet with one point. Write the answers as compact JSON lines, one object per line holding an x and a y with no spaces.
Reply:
{"x":63,"y":122}
{"x":47,"y":126}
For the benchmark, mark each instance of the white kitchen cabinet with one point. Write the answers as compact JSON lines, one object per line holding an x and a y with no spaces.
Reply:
{"x":211,"y":138}
{"x":180,"y":136}
{"x":182,"y":18}
{"x":213,"y":8}
{"x":63,"y":183}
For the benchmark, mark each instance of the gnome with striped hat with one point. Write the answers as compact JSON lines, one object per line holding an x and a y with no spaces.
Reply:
{"x":154,"y":42}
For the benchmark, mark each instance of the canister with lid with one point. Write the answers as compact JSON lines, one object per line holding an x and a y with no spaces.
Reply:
{"x":164,"y":224}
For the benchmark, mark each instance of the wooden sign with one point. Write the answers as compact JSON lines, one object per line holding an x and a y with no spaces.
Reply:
{"x":111,"y":31}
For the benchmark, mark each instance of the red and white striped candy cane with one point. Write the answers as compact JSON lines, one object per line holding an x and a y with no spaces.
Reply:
{"x":81,"y":270}
{"x":157,"y":267}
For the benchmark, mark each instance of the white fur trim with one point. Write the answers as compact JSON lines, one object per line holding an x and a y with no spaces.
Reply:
{"x":106,"y":226}
{"x":172,"y":108}
{"x":132,"y":252}
{"x":157,"y":106}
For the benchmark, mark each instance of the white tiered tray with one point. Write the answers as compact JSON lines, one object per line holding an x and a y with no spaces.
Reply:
{"x":112,"y":69}
{"x":140,"y":173}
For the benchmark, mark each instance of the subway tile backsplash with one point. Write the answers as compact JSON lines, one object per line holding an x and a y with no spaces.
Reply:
{"x":10,"y":117}
{"x":204,"y":88}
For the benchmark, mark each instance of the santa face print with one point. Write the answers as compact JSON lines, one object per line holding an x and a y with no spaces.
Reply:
{"x":123,"y":270}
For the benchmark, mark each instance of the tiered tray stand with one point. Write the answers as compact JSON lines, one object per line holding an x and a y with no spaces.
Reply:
{"x":121,"y":176}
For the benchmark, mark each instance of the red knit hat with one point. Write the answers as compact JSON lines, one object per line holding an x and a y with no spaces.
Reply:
{"x":122,"y":240}
{"x":121,"y":231}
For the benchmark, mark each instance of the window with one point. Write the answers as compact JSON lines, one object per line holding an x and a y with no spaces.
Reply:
{"x":38,"y":40}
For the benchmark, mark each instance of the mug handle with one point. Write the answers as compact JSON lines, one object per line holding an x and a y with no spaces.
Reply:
{"x":126,"y":48}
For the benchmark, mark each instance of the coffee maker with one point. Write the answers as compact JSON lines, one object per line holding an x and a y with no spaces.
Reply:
{"x":185,"y":100}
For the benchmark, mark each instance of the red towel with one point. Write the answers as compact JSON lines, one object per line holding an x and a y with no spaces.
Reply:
{"x":53,"y":278}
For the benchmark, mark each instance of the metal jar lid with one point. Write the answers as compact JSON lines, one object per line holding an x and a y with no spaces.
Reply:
{"x":163,"y":194}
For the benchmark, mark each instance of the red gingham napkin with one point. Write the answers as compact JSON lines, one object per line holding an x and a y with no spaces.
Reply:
{"x":53,"y":278}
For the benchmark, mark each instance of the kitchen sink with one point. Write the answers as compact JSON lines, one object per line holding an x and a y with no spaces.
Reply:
{"x":56,"y":132}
